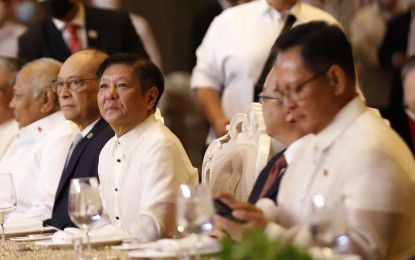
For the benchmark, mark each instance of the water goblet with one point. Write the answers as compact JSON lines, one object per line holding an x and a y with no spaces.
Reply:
{"x":8,"y":200}
{"x":328,"y":225}
{"x":85,"y":205}
{"x":194,"y":213}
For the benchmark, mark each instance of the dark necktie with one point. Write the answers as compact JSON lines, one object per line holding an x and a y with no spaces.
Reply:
{"x":289,"y":22}
{"x":277,"y":169}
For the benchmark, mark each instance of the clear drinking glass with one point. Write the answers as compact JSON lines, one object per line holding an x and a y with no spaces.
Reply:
{"x":194,"y":213}
{"x":7,"y":200}
{"x":85,"y":205}
{"x":328,"y":223}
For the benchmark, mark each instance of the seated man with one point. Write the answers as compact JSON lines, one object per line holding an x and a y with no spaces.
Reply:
{"x":354,"y":160}
{"x":141,"y":168}
{"x":281,"y":126}
{"x":8,"y":125}
{"x":77,"y":88}
{"x":37,"y":156}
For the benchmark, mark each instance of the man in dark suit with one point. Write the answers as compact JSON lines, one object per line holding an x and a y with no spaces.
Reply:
{"x":77,"y":87}
{"x":394,"y":53}
{"x":106,"y":30}
{"x":282,"y":127}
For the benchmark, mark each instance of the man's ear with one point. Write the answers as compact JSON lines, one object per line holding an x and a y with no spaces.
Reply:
{"x":337,"y":79}
{"x":152,"y":95}
{"x":47,"y":102}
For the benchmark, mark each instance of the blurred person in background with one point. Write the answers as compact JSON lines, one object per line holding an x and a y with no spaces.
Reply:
{"x":71,"y":25}
{"x":366,"y":40}
{"x":398,"y":45}
{"x":9,"y":29}
{"x":204,"y":17}
{"x":8,"y":125}
{"x":408,"y":80}
{"x":342,"y":10}
{"x":234,"y":52}
{"x":141,"y":26}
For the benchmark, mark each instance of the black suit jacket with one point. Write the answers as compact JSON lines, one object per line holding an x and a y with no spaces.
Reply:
{"x":83,"y":163}
{"x":107,"y":30}
{"x":262,"y":178}
{"x":396,"y":40}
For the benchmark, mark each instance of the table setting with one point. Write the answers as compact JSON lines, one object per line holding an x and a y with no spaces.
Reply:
{"x":95,"y":238}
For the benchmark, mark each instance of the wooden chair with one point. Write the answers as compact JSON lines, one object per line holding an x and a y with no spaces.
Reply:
{"x":233,"y":161}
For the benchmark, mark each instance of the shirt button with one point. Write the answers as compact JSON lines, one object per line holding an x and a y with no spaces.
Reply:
{"x":118,"y":160}
{"x":116,"y":189}
{"x":117,"y":218}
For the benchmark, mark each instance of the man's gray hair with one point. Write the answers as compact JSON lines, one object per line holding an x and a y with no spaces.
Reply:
{"x":42,"y":72}
{"x":12,"y":64}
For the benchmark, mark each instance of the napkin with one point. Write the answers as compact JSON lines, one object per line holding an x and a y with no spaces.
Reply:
{"x":269,"y":209}
{"x":22,"y":225}
{"x":105,"y":233}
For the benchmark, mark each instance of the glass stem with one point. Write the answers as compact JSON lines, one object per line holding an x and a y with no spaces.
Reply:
{"x":3,"y":240}
{"x":88,"y":242}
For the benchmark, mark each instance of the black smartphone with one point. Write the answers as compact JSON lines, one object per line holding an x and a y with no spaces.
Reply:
{"x":224,"y":210}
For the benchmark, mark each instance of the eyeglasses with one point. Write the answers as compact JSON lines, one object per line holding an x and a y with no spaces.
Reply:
{"x":72,"y":85}
{"x":262,"y":97}
{"x":294,"y":93}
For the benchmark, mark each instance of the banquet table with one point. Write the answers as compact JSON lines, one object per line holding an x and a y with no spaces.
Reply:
{"x":29,"y":250}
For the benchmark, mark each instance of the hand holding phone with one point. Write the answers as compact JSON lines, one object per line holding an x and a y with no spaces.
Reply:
{"x":224,"y":210}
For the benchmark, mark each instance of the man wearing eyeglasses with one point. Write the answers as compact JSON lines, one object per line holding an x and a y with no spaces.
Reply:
{"x":353,"y":162}
{"x":37,"y":155}
{"x":77,"y":88}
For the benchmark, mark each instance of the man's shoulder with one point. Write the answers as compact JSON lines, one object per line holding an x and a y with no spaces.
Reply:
{"x":245,"y":11}
{"x":400,"y":19}
{"x":310,"y":13}
{"x":37,"y":28}
{"x":93,"y":13}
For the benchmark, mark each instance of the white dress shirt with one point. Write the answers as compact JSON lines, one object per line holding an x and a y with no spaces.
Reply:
{"x":359,"y":164}
{"x":8,"y":131}
{"x":35,"y":160}
{"x":236,"y":47}
{"x":140,"y":173}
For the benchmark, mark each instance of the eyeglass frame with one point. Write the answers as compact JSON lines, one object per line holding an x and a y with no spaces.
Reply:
{"x":294,"y":93}
{"x":69,"y":84}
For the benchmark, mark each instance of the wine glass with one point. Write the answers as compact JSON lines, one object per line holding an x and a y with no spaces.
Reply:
{"x":7,"y":200}
{"x":85,"y":205}
{"x":328,"y":226}
{"x":194,"y":213}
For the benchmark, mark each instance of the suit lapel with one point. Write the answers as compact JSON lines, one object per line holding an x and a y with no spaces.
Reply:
{"x":77,"y":152}
{"x":54,"y":40}
{"x":92,"y":28}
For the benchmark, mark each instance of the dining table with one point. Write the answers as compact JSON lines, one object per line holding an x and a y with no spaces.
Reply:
{"x":31,"y":250}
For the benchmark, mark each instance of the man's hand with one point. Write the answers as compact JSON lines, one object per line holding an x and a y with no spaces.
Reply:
{"x":243,"y":211}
